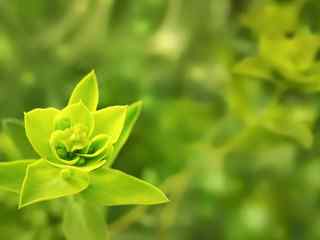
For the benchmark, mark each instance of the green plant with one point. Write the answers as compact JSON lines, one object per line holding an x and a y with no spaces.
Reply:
{"x":77,"y":146}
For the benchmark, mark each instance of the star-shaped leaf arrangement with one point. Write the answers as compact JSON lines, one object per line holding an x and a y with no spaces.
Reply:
{"x":76,"y":147}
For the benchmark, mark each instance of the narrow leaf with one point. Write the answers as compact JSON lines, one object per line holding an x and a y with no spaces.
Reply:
{"x":131,"y":118}
{"x":86,"y":91}
{"x":44,"y":181}
{"x":111,"y":187}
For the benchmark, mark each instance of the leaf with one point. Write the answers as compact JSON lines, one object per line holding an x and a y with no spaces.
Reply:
{"x":12,"y":174}
{"x":14,"y":129}
{"x":44,"y":181}
{"x":39,"y":126}
{"x":291,"y":57}
{"x":276,"y":18}
{"x":110,"y":121}
{"x":75,"y":114}
{"x":294,"y":121}
{"x":253,"y":67}
{"x":111,"y":187}
{"x":83,"y":220}
{"x":97,"y":146}
{"x":131,"y":118}
{"x":86,"y":91}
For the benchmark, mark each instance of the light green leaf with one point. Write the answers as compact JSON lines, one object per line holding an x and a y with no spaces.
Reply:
{"x":111,"y":187}
{"x":291,"y":57}
{"x":97,"y":146}
{"x":253,"y":67}
{"x":92,"y":165}
{"x":76,"y":115}
{"x":14,"y":129}
{"x":83,"y":220}
{"x":86,"y":91}
{"x":12,"y":174}
{"x":276,"y":18}
{"x":294,"y":121}
{"x":110,"y":121}
{"x":39,"y":126}
{"x":44,"y":181}
{"x":131,"y":118}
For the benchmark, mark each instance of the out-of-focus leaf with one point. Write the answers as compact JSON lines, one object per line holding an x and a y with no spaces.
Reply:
{"x":111,"y":187}
{"x":291,"y":57}
{"x":292,"y":121}
{"x":271,"y":18}
{"x":12,"y":174}
{"x":14,"y":129}
{"x":253,"y":67}
{"x":83,"y":220}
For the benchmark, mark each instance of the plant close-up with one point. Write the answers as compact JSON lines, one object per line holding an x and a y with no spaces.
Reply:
{"x":225,"y":146}
{"x":75,"y":148}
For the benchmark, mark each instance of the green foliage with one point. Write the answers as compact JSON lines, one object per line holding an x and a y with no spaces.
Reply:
{"x":83,"y":220}
{"x":230,"y":125}
{"x":122,"y":189}
{"x":44,"y":182}
{"x":13,"y":173}
{"x":86,"y":91}
{"x":74,"y":143}
{"x":14,"y":129}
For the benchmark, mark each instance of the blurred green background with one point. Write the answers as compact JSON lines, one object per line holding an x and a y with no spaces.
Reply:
{"x":230,"y":125}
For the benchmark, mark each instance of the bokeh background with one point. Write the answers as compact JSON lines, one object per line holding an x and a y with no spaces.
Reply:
{"x":230,"y":125}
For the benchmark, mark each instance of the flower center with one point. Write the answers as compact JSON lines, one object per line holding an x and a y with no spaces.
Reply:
{"x":71,"y":144}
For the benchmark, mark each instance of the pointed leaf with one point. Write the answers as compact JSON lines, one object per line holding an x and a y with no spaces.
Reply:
{"x":86,"y":91}
{"x":44,"y":181}
{"x":131,"y":118}
{"x":83,"y":220}
{"x":12,"y":174}
{"x":39,"y":126}
{"x":110,"y":121}
{"x":14,"y":129}
{"x":111,"y":187}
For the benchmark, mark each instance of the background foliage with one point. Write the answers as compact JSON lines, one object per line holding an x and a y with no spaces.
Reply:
{"x":230,"y":122}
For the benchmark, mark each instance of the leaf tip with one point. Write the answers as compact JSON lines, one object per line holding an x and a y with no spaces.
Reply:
{"x":138,"y":103}
{"x":164,"y":199}
{"x":87,"y":90}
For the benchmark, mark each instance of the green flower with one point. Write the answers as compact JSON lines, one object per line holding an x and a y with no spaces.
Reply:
{"x":76,"y":147}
